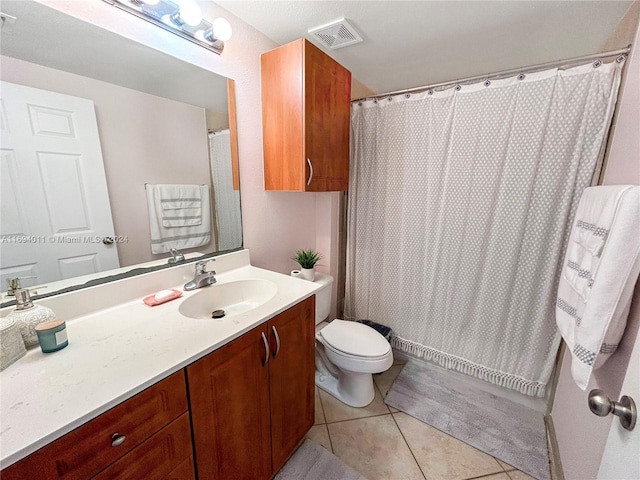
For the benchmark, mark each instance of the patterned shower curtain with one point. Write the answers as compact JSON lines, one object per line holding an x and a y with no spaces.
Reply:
{"x":226,"y":200}
{"x":460,"y":205}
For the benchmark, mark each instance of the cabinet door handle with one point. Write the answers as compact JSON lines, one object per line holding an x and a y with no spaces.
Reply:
{"x":117,"y":439}
{"x":277,"y":337}
{"x":310,"y":171}
{"x":266,"y":349}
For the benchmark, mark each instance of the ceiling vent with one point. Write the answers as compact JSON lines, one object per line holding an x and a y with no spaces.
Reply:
{"x":336,"y":34}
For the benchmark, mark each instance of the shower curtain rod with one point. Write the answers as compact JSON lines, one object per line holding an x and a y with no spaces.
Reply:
{"x":504,"y":73}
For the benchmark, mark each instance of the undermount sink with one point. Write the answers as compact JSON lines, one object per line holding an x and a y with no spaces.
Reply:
{"x":232,"y":298}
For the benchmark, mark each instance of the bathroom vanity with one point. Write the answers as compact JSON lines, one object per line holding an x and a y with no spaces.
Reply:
{"x":138,"y":383}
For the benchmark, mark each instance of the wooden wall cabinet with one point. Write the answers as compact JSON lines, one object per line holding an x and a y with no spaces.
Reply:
{"x":157,"y":442}
{"x":305,"y":119}
{"x":252,"y":400}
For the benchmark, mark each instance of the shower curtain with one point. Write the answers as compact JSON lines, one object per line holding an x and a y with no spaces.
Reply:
{"x":460,"y":205}
{"x":226,"y":200}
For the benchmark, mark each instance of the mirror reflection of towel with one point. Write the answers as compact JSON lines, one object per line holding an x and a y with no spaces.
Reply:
{"x":179,"y":216}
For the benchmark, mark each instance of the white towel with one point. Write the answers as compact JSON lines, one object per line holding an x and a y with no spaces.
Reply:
{"x":599,"y":272}
{"x":179,"y":216}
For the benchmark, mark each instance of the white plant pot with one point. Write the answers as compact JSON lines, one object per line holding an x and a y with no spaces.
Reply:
{"x":308,"y":274}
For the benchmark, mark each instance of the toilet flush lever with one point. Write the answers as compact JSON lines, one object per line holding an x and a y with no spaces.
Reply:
{"x":625,"y":409}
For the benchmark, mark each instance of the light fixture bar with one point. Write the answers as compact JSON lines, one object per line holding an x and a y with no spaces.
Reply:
{"x":161,"y":14}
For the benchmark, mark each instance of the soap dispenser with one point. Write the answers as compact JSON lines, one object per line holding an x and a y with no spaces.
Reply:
{"x":27,"y":316}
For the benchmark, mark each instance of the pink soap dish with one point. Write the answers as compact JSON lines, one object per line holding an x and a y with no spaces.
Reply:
{"x":152,"y":302}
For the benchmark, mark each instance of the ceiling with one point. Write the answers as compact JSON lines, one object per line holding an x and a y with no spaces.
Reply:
{"x":50,"y":38}
{"x":414,"y":43}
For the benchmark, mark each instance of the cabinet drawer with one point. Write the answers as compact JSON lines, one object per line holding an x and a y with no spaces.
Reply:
{"x":88,"y":449}
{"x":156,"y":457}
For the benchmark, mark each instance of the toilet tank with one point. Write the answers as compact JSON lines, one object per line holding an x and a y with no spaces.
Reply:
{"x":323,"y":297}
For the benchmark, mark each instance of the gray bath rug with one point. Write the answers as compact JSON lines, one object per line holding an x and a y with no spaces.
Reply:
{"x":313,"y":462}
{"x":502,"y":428}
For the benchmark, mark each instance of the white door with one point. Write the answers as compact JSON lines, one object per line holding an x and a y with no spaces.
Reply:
{"x":621,"y":459}
{"x":55,"y":205}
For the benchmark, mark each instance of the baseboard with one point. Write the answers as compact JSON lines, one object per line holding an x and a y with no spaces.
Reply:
{"x":555,"y":465}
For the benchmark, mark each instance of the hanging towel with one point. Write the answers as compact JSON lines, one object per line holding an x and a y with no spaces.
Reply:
{"x":600,"y":269}
{"x":179,"y":216}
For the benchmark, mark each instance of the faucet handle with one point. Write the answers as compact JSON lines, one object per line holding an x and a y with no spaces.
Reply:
{"x":201,"y":265}
{"x":176,"y":256}
{"x":13,"y":284}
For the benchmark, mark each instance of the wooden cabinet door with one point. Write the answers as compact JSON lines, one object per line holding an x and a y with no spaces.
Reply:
{"x":229,"y":397}
{"x":305,"y":119}
{"x":282,"y":123}
{"x":292,"y":372}
{"x":327,"y":121}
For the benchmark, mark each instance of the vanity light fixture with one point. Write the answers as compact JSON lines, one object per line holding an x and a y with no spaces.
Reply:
{"x":182,"y":17}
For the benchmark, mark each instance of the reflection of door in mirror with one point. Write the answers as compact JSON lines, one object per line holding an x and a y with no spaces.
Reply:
{"x":55,"y":204}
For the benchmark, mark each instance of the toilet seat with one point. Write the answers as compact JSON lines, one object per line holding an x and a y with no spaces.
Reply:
{"x":354,"y":340}
{"x":340,"y":353}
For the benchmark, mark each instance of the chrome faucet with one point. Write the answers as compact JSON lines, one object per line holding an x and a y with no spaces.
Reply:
{"x":203,"y":277}
{"x":176,"y":256}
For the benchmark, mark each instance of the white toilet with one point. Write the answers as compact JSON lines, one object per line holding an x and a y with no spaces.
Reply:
{"x":347,"y":353}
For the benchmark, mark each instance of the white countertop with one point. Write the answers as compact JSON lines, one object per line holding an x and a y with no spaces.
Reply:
{"x":115,"y":353}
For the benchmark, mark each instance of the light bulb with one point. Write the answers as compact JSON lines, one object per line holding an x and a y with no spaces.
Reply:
{"x":190,"y":12}
{"x":221,"y":29}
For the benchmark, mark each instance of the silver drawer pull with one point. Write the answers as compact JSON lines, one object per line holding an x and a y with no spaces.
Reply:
{"x":275,"y":334}
{"x":266,"y":349}
{"x":310,"y":171}
{"x":117,"y":439}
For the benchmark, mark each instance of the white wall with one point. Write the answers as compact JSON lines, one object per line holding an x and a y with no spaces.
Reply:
{"x":581,"y":435}
{"x":142,"y":138}
{"x":275,"y":224}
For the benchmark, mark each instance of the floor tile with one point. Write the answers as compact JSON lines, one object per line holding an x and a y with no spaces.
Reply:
{"x":505,"y":465}
{"x":320,"y":434}
{"x":442,"y":456}
{"x":497,"y":476}
{"x":336,"y":411}
{"x":518,"y":475}
{"x":318,"y":409}
{"x":375,"y":448}
{"x":385,"y":379}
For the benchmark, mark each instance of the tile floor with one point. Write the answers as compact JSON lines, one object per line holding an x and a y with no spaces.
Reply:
{"x":384,"y":444}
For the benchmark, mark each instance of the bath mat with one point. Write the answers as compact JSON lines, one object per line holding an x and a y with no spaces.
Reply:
{"x":502,"y":428}
{"x":314,"y":462}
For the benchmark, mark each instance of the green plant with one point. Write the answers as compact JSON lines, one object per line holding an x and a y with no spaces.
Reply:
{"x":306,"y":258}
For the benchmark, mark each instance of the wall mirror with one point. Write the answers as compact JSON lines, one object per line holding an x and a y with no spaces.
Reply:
{"x":91,"y":123}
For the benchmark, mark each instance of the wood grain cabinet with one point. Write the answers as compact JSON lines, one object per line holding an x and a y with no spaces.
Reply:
{"x":147,"y":436}
{"x":305,"y":119}
{"x":252,"y":401}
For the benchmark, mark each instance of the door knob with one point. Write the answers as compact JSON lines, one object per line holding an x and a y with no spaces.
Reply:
{"x":107,"y":240}
{"x":625,"y":409}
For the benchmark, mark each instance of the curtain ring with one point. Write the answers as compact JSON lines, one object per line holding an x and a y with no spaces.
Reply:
{"x":375,"y":100}
{"x":521,"y":76}
{"x":359,"y":104}
{"x":487,"y":83}
{"x":621,"y":58}
{"x":407,"y":95}
{"x":597,"y":63}
{"x":430,"y":92}
{"x":389,"y":99}
{"x":458,"y":87}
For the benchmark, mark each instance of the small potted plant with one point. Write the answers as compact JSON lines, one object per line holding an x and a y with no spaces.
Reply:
{"x":307,"y":260}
